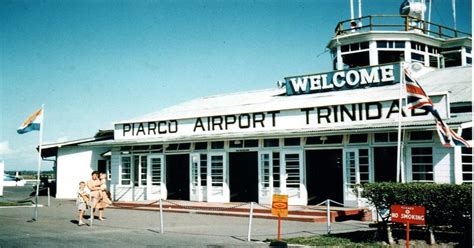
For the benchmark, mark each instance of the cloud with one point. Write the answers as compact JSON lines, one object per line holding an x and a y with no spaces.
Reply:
{"x":62,"y":139}
{"x":5,"y":148}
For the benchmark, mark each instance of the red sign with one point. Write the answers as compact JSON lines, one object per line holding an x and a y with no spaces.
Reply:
{"x":408,"y":214}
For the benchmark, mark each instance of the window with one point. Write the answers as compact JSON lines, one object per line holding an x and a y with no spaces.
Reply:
{"x":250,"y":143}
{"x":452,"y":58}
{"x":265,"y":170}
{"x":364,"y":166}
{"x":292,"y":141}
{"x":422,"y":164}
{"x":466,"y":159}
{"x":385,"y":137}
{"x":358,"y":138}
{"x":217,"y":145}
{"x":236,"y":144}
{"x":433,"y":50}
{"x":355,"y":47}
{"x":417,"y":46}
{"x":156,"y":163}
{"x":357,"y":167}
{"x":322,"y":140}
{"x":139,"y":170}
{"x":390,"y":44}
{"x":243,"y":143}
{"x":203,"y":172}
{"x":271,"y":143}
{"x":421,"y":136}
{"x":416,"y":57}
{"x":276,"y":169}
{"x":217,"y":170}
{"x":292,"y":162}
{"x":178,"y":147}
{"x":433,"y":60}
{"x":125,"y":172}
{"x":390,"y":56}
{"x":156,"y":148}
{"x":200,"y":146}
{"x":109,"y":169}
{"x":357,"y":59}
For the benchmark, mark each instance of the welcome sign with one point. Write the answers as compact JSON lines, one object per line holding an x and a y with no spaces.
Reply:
{"x":353,"y":78}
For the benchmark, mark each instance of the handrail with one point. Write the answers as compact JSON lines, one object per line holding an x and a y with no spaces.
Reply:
{"x":406,"y":24}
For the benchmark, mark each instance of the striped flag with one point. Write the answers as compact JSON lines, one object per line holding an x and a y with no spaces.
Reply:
{"x":32,"y":123}
{"x":417,"y":98}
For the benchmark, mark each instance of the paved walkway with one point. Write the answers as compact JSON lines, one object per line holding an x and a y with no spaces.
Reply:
{"x":56,"y":226}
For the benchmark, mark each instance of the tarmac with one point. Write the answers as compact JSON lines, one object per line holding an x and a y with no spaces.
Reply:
{"x":56,"y":226}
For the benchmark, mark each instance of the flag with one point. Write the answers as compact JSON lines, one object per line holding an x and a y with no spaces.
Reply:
{"x":417,"y":98}
{"x":448,"y":137}
{"x":32,"y":123}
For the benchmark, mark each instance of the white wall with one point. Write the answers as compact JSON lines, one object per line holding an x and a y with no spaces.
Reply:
{"x":75,"y":164}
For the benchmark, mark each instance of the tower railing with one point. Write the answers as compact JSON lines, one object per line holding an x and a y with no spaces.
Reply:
{"x":396,"y":23}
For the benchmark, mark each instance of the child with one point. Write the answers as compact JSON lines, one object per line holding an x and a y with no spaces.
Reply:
{"x":81,"y":202}
{"x":103,"y":186}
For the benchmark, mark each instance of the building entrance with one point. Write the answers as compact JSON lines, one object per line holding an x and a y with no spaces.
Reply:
{"x":177,"y":176}
{"x":385,"y":164}
{"x":243,"y":176}
{"x":324,"y":179}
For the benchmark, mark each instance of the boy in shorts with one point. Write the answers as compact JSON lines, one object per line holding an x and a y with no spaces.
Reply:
{"x":81,"y":201}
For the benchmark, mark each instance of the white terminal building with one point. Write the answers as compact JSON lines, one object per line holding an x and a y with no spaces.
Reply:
{"x":314,"y":138}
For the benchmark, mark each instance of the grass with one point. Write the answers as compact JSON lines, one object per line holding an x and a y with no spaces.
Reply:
{"x":9,"y":204}
{"x":4,"y":204}
{"x":329,"y":240}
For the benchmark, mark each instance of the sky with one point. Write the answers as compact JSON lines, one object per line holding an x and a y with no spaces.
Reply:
{"x":96,"y":62}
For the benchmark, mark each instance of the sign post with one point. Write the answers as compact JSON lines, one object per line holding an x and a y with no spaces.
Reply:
{"x":280,"y":209}
{"x":408,"y":215}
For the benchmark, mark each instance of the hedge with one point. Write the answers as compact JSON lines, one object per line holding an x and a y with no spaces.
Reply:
{"x":447,"y":205}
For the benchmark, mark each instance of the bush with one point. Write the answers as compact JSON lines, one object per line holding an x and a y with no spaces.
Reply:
{"x":447,"y":205}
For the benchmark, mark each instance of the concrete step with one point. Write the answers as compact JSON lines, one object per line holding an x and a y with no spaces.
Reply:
{"x":308,"y":214}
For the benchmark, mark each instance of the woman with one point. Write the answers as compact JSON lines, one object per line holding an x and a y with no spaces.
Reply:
{"x":104,"y":200}
{"x":94,"y":187}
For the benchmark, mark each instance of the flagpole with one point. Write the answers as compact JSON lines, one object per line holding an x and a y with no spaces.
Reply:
{"x":39,"y":163}
{"x":399,"y":133}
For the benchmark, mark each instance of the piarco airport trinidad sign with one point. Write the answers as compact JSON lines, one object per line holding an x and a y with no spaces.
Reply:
{"x":310,"y":117}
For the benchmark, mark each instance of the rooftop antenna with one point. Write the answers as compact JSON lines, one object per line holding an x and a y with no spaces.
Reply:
{"x":429,"y":14}
{"x":453,"y":2}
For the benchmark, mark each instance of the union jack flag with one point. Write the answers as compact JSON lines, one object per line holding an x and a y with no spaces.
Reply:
{"x":417,"y":98}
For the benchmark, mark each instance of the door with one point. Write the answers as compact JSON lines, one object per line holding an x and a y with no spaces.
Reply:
{"x":243,"y":176}
{"x":356,"y":171}
{"x":156,"y":187}
{"x":293,"y":177}
{"x":177,"y":177}
{"x":385,"y":164}
{"x":218,"y":189}
{"x":324,"y":178}
{"x":198,"y":172}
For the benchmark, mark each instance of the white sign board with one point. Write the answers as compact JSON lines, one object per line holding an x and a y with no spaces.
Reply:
{"x":314,"y":118}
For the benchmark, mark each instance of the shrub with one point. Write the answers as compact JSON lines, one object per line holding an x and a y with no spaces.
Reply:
{"x":446,"y":205}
